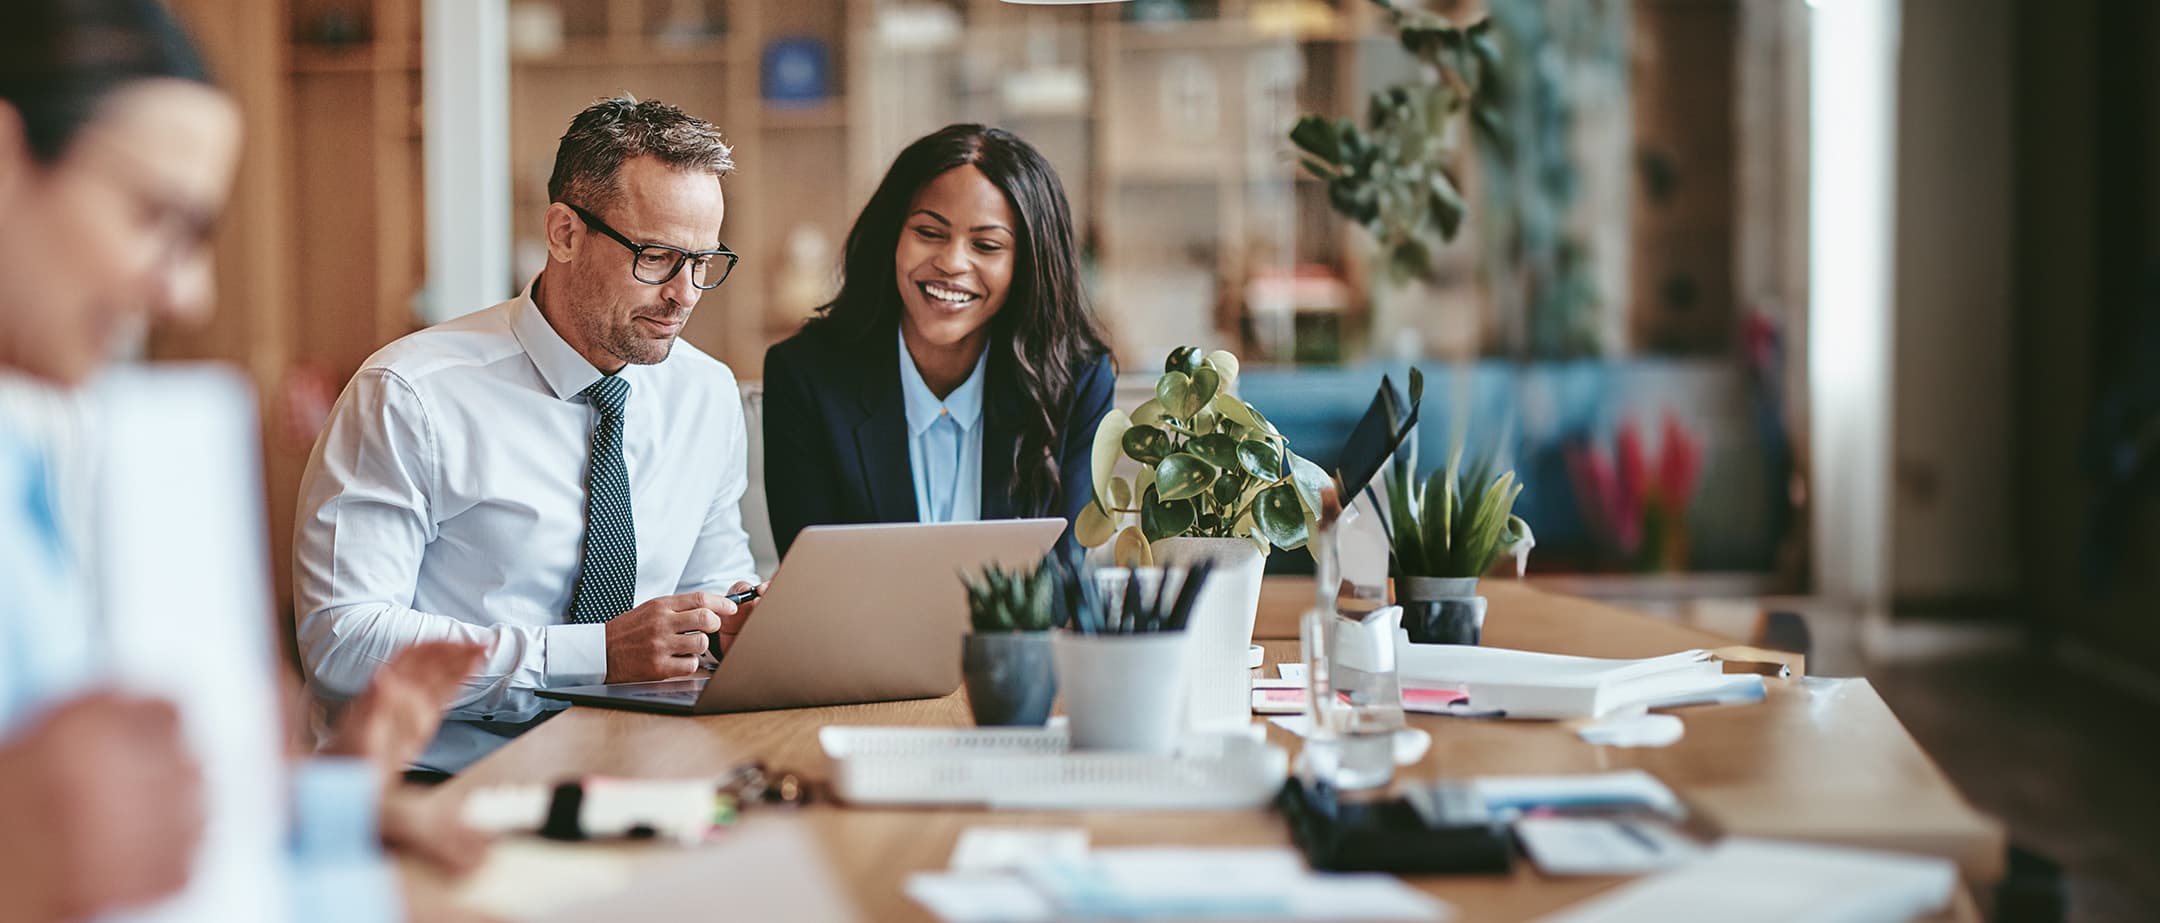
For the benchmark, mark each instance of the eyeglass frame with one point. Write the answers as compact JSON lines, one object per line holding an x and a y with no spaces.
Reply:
{"x":637,"y":250}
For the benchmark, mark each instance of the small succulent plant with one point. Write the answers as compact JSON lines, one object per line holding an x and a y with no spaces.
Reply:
{"x":1457,"y":524}
{"x":1016,"y":600}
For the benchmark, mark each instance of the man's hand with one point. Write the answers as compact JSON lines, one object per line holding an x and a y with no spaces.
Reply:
{"x":392,"y":720}
{"x":732,"y":624}
{"x":103,"y":808}
{"x":663,"y":638}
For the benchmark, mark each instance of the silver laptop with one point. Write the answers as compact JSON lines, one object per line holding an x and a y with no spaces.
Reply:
{"x":868,"y":613}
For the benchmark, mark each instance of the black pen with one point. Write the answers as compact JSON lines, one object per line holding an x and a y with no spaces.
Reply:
{"x":713,"y":644}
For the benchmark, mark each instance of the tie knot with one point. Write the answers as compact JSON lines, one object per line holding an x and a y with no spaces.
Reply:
{"x":608,"y":394}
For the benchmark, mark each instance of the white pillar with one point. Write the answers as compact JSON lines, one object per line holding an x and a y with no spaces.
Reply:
{"x":1851,"y":276}
{"x":465,"y":81}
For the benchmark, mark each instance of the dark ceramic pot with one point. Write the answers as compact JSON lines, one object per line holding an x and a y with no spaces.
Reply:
{"x":1441,"y":610}
{"x":1011,"y":680}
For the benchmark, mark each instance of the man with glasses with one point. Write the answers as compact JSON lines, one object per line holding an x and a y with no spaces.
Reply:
{"x":554,"y":477}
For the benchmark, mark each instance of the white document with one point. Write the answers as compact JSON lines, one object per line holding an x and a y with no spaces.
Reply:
{"x":972,"y":898}
{"x":765,"y":868}
{"x":1294,"y":672}
{"x":1743,"y":879}
{"x":1003,"y":849}
{"x":1239,"y":883}
{"x":1634,"y":731}
{"x":1601,"y":845}
{"x":1171,"y":883}
{"x":1631,"y":788}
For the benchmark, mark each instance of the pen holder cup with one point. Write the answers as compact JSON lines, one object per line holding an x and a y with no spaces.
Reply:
{"x":1123,"y":692}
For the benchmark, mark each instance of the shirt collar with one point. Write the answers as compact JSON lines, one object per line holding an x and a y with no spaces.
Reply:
{"x":565,"y":371}
{"x":965,"y":403}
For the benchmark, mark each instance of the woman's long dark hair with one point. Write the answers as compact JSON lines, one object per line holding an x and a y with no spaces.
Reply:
{"x":61,"y":59}
{"x":1045,"y":336}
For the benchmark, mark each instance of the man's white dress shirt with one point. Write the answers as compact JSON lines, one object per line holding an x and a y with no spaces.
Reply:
{"x":445,"y":499}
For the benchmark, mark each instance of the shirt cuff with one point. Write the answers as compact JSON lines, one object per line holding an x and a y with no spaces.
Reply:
{"x":575,"y":655}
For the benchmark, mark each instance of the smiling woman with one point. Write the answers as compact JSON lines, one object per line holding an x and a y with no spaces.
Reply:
{"x":959,"y":372}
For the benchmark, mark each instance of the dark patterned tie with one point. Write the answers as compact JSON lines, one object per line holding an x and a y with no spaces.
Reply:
{"x":609,"y":575}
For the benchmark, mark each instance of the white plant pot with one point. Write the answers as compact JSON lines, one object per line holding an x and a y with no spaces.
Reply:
{"x":1220,"y":697}
{"x":1123,"y":692}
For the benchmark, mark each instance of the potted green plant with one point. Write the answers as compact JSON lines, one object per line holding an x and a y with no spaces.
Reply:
{"x":1125,"y":657}
{"x":1006,"y":660}
{"x":1400,"y":176}
{"x":1196,"y":474}
{"x":1442,"y":536}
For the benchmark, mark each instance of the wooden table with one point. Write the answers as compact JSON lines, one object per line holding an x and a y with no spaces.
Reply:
{"x":1821,"y":760}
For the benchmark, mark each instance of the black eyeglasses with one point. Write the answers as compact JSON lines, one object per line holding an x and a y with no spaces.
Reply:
{"x":655,"y":264}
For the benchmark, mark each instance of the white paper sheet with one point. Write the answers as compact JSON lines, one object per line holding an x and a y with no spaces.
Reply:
{"x":1601,"y":846}
{"x":1743,"y":879}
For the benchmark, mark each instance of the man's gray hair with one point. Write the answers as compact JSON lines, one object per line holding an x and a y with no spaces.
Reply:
{"x":614,"y":130}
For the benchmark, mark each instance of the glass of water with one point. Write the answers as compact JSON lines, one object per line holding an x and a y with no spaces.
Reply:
{"x":1354,"y":693}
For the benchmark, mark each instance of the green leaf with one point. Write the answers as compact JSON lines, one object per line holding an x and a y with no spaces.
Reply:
{"x":1183,"y":476}
{"x":1148,"y":414}
{"x":1447,"y":205}
{"x":1480,"y":540}
{"x":1174,"y":390}
{"x":1160,"y":518}
{"x":1311,"y":483}
{"x":1408,"y":540}
{"x":1229,"y":488}
{"x":1184,"y":359}
{"x":1260,"y":460}
{"x":1094,"y":527}
{"x":1439,"y":504}
{"x":1206,"y":383}
{"x":1280,"y":517}
{"x":1146,"y":444}
{"x":1132,"y":549}
{"x":1319,"y":137}
{"x":1216,"y":449}
{"x":1238,"y":412}
{"x":1109,"y":436}
{"x":1121,"y":493}
{"x":1226,"y":365}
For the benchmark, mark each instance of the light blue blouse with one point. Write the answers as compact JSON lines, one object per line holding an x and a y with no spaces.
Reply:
{"x":945,"y":442}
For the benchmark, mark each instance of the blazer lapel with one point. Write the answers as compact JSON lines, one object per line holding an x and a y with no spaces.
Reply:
{"x":1001,"y":432}
{"x":881,"y":443}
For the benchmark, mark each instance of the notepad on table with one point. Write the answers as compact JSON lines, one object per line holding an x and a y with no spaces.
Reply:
{"x":1528,"y":684}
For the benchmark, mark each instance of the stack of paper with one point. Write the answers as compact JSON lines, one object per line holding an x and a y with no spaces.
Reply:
{"x":1527,"y":684}
{"x":1742,"y":879}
